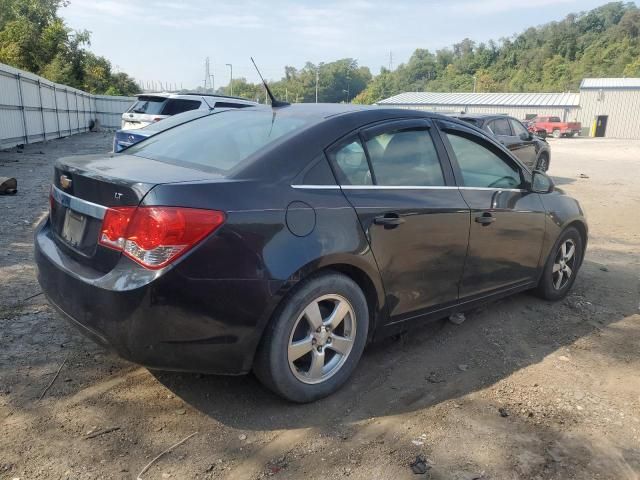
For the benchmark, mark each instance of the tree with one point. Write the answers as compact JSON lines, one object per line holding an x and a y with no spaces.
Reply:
{"x":34,"y":38}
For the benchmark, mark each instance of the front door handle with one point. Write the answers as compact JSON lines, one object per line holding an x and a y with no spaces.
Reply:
{"x":389,"y":220}
{"x":485,"y":219}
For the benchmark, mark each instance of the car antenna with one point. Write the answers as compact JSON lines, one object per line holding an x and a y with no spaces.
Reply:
{"x":274,"y":102}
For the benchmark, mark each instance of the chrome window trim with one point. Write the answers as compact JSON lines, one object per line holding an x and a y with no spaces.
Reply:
{"x":78,"y":205}
{"x":403,"y":187}
{"x":398,"y":187}
{"x":317,"y":187}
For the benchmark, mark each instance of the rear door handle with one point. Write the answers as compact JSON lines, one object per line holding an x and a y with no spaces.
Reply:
{"x":389,"y":220}
{"x":485,"y":219}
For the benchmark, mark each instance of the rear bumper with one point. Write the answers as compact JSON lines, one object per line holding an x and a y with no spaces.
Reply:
{"x":162,"y":320}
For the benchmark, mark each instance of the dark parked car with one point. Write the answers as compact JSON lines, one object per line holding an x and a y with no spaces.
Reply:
{"x":531,"y":149}
{"x":282,"y":241}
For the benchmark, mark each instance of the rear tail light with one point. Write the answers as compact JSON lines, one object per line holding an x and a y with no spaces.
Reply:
{"x":156,"y":236}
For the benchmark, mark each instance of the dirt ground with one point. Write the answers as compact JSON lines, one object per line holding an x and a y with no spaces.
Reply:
{"x":566,"y":375}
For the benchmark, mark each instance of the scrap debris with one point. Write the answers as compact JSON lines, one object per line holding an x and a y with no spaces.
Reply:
{"x":175,"y":445}
{"x":44,"y":392}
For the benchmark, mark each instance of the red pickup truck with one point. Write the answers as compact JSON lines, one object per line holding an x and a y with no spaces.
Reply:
{"x":553,"y":126}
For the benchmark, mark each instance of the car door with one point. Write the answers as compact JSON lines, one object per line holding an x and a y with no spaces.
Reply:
{"x":527,"y":145}
{"x":397,"y":178}
{"x":507,"y":220}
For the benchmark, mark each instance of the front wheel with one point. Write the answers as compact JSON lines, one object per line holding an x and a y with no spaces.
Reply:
{"x":562,"y":266}
{"x":557,"y":134}
{"x":315,"y":340}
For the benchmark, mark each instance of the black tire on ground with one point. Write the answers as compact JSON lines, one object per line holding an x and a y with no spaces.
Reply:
{"x":556,"y":134}
{"x":570,"y":135}
{"x":543,"y":162}
{"x":554,"y":283}
{"x":292,"y":323}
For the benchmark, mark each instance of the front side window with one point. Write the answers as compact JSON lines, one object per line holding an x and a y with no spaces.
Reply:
{"x":480,"y":166}
{"x":351,"y":164}
{"x":405,"y":158}
{"x":500,"y":127}
{"x":518,"y":129}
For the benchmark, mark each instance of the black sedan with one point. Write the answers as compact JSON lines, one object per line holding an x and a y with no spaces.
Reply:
{"x":531,"y":149}
{"x":281,"y":241}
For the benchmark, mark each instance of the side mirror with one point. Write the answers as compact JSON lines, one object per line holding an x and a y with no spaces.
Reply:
{"x":526,"y":136}
{"x":541,"y":182}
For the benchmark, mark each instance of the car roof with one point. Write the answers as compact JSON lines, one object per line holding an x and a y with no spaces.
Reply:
{"x":188,"y":95}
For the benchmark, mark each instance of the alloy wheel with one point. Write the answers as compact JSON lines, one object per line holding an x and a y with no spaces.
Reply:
{"x":564,"y":264}
{"x":321,"y":339}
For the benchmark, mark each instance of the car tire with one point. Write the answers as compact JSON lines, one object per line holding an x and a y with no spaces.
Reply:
{"x":543,"y":162}
{"x":280,"y":363}
{"x":556,"y":134}
{"x":560,"y":272}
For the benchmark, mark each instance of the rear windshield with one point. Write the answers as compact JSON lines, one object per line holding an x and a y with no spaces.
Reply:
{"x":148,"y":105}
{"x":166,"y":123}
{"x":472,"y":121}
{"x":219,"y":142}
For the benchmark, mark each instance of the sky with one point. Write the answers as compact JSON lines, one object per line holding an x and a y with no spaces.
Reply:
{"x":168,"y":40}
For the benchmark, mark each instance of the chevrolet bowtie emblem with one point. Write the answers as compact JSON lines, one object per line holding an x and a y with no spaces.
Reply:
{"x":65,"y":182}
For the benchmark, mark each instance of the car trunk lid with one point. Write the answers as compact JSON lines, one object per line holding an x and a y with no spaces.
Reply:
{"x":84,"y":187}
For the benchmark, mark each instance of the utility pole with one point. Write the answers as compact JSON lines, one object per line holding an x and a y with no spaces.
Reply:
{"x":474,"y":83}
{"x":390,"y":60}
{"x":206,"y":73}
{"x":317,"y":77}
{"x":230,"y":77}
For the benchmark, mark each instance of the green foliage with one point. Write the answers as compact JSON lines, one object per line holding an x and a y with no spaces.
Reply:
{"x":338,"y":81}
{"x":34,"y":38}
{"x":551,"y":58}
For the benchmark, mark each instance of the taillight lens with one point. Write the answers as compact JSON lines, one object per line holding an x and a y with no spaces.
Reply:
{"x":156,"y":236}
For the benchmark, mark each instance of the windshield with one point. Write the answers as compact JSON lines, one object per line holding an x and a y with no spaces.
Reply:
{"x":221,"y":141}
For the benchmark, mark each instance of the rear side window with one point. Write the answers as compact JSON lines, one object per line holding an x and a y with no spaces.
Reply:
{"x":220,"y":141}
{"x":482,"y":167}
{"x":500,"y":127}
{"x":178,"y":105}
{"x":351,"y":164}
{"x":405,"y":158}
{"x":554,"y":119}
{"x":148,"y":105}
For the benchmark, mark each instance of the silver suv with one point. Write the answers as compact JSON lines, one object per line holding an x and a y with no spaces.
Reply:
{"x":153,"y":107}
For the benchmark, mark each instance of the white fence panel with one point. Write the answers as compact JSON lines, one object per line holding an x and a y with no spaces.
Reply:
{"x":33,"y":109}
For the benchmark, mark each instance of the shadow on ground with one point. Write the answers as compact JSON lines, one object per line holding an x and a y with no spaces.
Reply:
{"x":432,"y":363}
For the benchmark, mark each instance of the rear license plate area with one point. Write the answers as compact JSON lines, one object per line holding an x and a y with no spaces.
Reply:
{"x":73,"y":227}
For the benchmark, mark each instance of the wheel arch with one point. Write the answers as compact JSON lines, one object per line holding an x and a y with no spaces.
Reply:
{"x":583,"y":231}
{"x":357,"y":268}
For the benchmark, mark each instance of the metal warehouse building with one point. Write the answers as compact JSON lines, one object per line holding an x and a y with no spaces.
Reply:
{"x":606,"y":107}
{"x":610,"y":107}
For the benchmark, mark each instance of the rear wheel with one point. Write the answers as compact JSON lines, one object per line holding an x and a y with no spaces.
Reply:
{"x":543,"y":162}
{"x":315,"y":340}
{"x":557,"y":134}
{"x":562,"y":266}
